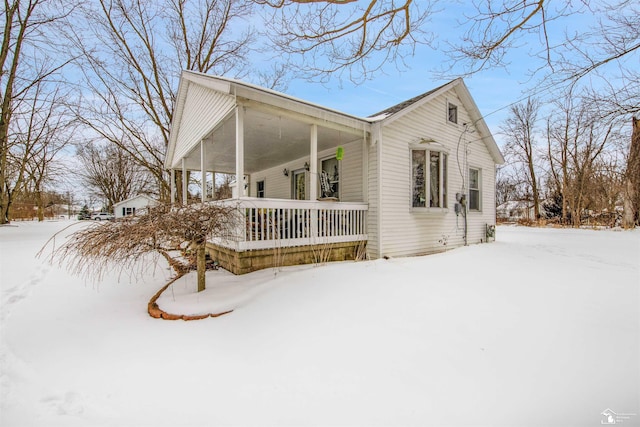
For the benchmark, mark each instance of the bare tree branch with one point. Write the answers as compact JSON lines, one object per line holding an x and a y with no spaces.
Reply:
{"x":326,"y":37}
{"x":132,"y":53}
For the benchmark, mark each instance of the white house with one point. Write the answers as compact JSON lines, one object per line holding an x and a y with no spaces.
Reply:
{"x":516,"y":210}
{"x":132,"y":206}
{"x":414,"y":179}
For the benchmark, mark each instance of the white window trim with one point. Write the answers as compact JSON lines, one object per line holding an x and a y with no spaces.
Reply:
{"x":479,"y":169}
{"x":428,"y":148}
{"x":293,"y":174}
{"x":339,"y":173}
{"x":446,"y":112}
{"x":264,"y":181}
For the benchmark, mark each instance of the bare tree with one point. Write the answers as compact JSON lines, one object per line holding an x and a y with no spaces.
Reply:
{"x":47,"y":130}
{"x":27,"y":62}
{"x":131,"y":54}
{"x":576,"y":140}
{"x":631,"y":216}
{"x":520,"y":148}
{"x":506,"y":187}
{"x":110,"y":173}
{"x":125,"y":243}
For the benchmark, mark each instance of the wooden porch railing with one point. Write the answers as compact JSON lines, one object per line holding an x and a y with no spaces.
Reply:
{"x":274,"y":223}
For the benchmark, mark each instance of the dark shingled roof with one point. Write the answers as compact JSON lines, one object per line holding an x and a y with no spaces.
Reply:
{"x":399,"y":107}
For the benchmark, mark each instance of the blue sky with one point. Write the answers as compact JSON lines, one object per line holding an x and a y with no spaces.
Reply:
{"x":494,"y":90}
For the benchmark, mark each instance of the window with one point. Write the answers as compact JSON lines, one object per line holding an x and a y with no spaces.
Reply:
{"x":428,"y":179}
{"x":330,"y":178}
{"x":418,"y":178}
{"x":260,"y":189}
{"x":128,"y":211}
{"x":452,"y":112}
{"x":474,"y":189}
{"x":299,"y":185}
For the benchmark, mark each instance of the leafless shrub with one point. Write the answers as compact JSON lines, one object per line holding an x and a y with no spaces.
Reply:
{"x":361,"y":251}
{"x":322,"y":252}
{"x":124,"y":244}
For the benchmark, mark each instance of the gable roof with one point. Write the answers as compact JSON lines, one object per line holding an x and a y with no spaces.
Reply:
{"x":404,"y":104}
{"x":150,"y":200}
{"x":233,"y":89}
{"x":458,"y":86}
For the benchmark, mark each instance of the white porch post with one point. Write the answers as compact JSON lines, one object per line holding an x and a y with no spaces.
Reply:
{"x":313,"y":163}
{"x":240,"y":150}
{"x":313,"y":179}
{"x":184,"y":181}
{"x":173,"y":186}
{"x":203,"y":172}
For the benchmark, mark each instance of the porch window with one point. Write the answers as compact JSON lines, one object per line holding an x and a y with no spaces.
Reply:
{"x":428,"y":178}
{"x":330,"y":178}
{"x":299,"y":185}
{"x":474,"y":189}
{"x":260,"y":189}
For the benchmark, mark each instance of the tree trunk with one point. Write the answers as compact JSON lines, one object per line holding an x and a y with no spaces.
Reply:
{"x":201,"y":259}
{"x":632,"y":179}
{"x":4,"y":197}
{"x":40,"y":205}
{"x":534,"y":189}
{"x":5,"y":205}
{"x":628,"y":216}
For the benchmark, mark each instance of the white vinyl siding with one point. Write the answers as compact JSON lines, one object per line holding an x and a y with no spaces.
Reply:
{"x":132,"y":206}
{"x":203,"y":108}
{"x":405,"y":232}
{"x":350,"y":175}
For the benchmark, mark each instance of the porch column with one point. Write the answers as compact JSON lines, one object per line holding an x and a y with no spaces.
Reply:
{"x":240,"y":150}
{"x":365,"y":168}
{"x":213,"y":185}
{"x":313,"y":180}
{"x":173,"y":186}
{"x":203,"y":172}
{"x":184,"y":181}
{"x":313,"y":164}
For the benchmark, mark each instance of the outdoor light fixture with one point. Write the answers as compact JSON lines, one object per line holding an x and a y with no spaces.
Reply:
{"x":306,"y":165}
{"x":285,"y":172}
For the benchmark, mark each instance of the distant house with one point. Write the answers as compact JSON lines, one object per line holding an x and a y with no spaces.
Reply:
{"x":516,"y":210}
{"x":413,"y":179}
{"x":133,"y":206}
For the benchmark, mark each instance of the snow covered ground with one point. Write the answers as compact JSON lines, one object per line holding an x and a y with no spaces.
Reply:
{"x":540,"y":328}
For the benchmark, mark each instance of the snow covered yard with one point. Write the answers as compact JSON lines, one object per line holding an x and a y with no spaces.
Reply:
{"x":540,"y":328}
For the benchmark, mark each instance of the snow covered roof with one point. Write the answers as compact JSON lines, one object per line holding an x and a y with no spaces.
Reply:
{"x":149,"y":200}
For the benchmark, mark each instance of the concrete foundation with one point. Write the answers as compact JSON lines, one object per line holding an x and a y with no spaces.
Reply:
{"x":248,"y":261}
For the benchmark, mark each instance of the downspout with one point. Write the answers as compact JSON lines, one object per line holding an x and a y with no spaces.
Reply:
{"x":462,"y":196}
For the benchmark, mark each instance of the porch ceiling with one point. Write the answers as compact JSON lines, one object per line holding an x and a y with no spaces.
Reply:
{"x":270,"y":139}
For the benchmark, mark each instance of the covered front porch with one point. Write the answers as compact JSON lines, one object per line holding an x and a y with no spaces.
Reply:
{"x":304,"y":167}
{"x":277,"y":232}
